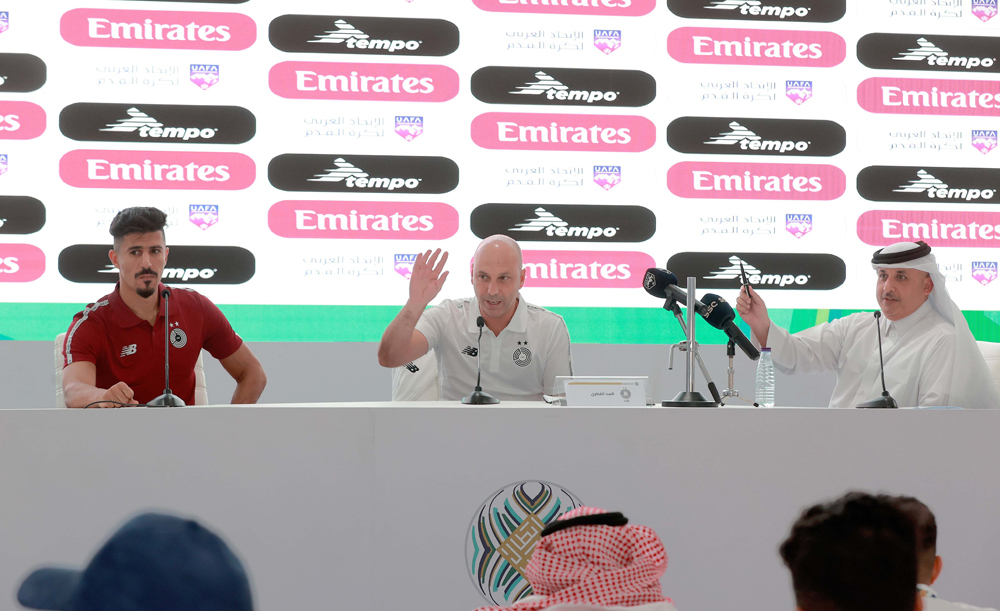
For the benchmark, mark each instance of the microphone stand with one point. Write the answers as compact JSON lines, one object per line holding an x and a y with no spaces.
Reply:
{"x":672,"y":305}
{"x":167,"y":399}
{"x":691,"y":397}
{"x":478,"y":397}
{"x":885,"y":401}
{"x":732,"y":392}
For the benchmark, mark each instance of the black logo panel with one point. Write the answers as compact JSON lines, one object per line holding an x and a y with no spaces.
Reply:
{"x":819,"y":11}
{"x":926,"y":184}
{"x":363,"y":174}
{"x":564,"y":223}
{"x":750,"y":136}
{"x":88,"y":263}
{"x":363,"y":35}
{"x":930,"y":52}
{"x":562,"y":86}
{"x":781,"y":271}
{"x":157,"y":123}
{"x":20,"y":72}
{"x":20,"y":214}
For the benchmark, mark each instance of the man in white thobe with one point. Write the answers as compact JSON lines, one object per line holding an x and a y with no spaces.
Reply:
{"x":931,"y":358}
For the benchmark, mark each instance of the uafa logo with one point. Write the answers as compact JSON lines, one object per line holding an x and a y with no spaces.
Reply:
{"x":984,"y":272}
{"x":984,"y":140}
{"x":203,"y":216}
{"x":608,"y":41}
{"x":88,"y":27}
{"x":798,"y":224}
{"x":204,"y":75}
{"x":408,"y":127}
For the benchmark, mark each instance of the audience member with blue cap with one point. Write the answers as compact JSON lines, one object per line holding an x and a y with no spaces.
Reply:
{"x":155,"y":562}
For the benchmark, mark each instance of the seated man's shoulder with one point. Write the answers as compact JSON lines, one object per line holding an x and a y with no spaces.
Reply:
{"x":936,"y":604}
{"x":93,"y":313}
{"x":542,"y":315}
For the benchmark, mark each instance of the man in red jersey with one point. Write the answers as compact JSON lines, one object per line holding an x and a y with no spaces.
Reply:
{"x":114,"y":349}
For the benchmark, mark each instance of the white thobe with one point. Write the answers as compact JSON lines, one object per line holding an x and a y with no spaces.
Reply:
{"x":918,"y":350}
{"x":933,"y":603}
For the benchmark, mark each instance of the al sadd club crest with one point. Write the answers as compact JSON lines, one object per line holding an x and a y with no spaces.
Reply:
{"x":504,"y":532}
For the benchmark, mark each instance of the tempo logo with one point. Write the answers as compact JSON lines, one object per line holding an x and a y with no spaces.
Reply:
{"x":714,"y":180}
{"x":927,"y":184}
{"x":823,"y":11}
{"x":552,"y":132}
{"x":89,"y":27}
{"x":929,"y":52}
{"x":564,"y":223}
{"x":562,"y":86}
{"x":22,"y":262}
{"x":363,"y":35}
{"x":756,"y":47}
{"x":89,"y":264}
{"x":21,"y":72}
{"x":776,"y":271}
{"x":363,"y":174}
{"x":937,"y":228}
{"x":92,"y":169}
{"x":752,"y":136}
{"x":20,"y":214}
{"x":930,"y":97}
{"x":363,"y":220}
{"x":585,"y":268}
{"x":154,"y":123}
{"x":616,"y":8}
{"x":21,"y":120}
{"x":345,"y":81}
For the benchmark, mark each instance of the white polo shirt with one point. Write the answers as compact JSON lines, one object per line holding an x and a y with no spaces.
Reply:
{"x":519,"y":365}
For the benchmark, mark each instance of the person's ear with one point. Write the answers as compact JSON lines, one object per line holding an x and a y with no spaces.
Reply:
{"x":938,"y":564}
{"x":166,"y":253}
{"x":114,"y":257}
{"x":524,"y":271}
{"x":928,"y":285}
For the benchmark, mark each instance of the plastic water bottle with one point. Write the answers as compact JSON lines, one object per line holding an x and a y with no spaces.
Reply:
{"x":765,"y":379}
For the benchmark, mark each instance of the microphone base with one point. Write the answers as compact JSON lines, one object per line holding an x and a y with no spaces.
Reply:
{"x":166,"y":400}
{"x":883,"y":402}
{"x":690,"y":399}
{"x":478,"y":397}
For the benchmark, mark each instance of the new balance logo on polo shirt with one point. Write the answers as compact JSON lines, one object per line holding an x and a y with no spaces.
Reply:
{"x":411,"y":367}
{"x":127,"y":350}
{"x":470,"y":351}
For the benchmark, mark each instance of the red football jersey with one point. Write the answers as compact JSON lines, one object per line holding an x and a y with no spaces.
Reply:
{"x":127,"y":349}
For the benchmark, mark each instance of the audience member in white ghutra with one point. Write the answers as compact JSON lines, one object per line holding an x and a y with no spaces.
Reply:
{"x":524,"y":347}
{"x":931,"y":357}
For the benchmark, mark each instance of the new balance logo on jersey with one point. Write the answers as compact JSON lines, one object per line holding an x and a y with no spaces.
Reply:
{"x":748,"y":140}
{"x":356,"y":178}
{"x":470,"y":351}
{"x":353,"y":38}
{"x":411,"y":367}
{"x":554,"y":90}
{"x":128,"y":350}
{"x":148,"y":127}
{"x":552,"y":225}
{"x":932,"y":55}
{"x":938,"y":189}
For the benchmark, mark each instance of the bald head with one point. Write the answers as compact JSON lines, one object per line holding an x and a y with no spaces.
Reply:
{"x":498,"y":246}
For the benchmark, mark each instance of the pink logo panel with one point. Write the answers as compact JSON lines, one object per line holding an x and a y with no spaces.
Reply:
{"x":621,"y":8}
{"x":756,"y":47}
{"x":937,"y":228}
{"x":21,"y":263}
{"x":347,"y":81}
{"x":91,"y":27}
{"x":553,"y":132}
{"x":363,"y":220}
{"x":913,"y":96}
{"x":725,"y":180}
{"x":21,"y":120}
{"x":93,"y":169}
{"x":585,"y":268}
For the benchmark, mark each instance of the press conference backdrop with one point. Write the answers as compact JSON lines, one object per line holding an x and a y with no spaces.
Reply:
{"x":305,"y":151}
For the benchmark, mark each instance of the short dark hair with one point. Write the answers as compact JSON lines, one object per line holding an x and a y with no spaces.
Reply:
{"x":857,"y":553}
{"x":138,"y":219}
{"x":924,"y":524}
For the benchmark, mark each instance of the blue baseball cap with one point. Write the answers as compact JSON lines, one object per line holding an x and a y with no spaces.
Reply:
{"x":155,"y":562}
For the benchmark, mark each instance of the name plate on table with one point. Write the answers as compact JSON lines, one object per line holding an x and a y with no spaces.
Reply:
{"x":605,"y":392}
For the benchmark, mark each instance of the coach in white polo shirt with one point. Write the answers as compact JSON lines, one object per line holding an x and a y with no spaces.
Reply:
{"x":524,"y":346}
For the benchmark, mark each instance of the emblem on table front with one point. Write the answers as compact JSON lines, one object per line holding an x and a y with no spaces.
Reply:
{"x":503,"y":535}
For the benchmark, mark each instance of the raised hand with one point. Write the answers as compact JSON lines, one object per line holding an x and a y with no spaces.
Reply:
{"x":426,"y":280}
{"x":753,"y":311}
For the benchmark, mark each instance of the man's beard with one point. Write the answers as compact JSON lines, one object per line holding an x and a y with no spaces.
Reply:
{"x":148,"y":291}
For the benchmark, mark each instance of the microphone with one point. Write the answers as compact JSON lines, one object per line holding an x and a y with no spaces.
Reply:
{"x":721,"y":315}
{"x":168,"y":398}
{"x":662,"y":283}
{"x":885,"y":401}
{"x":478,"y":397}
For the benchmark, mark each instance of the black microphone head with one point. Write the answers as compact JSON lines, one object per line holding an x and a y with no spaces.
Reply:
{"x":165,"y":293}
{"x":657,"y":280}
{"x":480,"y":322}
{"x":878,"y":314}
{"x":717,"y":310}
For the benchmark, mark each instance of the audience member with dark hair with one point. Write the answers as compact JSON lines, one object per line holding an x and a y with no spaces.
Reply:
{"x":929,"y":564}
{"x":857,"y":553}
{"x":114,"y":348}
{"x":155,"y":562}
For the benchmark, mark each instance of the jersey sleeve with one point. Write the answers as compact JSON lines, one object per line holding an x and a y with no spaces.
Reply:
{"x":432,"y":324}
{"x":559,"y":357}
{"x":83,"y":338}
{"x":219,"y":338}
